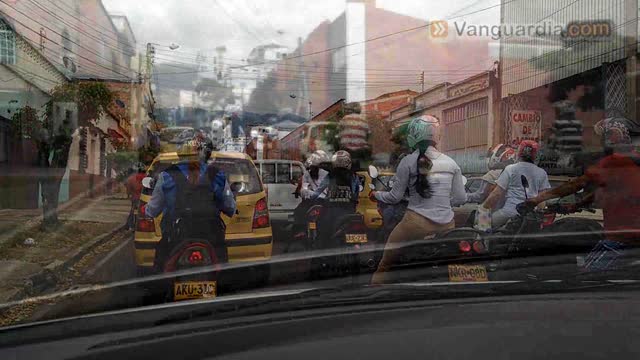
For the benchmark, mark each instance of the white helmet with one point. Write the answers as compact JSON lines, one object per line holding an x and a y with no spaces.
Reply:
{"x":341,"y":159}
{"x":425,"y":127}
{"x":317,"y":158}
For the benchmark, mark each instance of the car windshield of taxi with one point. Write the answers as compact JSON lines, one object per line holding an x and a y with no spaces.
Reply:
{"x":173,"y":155}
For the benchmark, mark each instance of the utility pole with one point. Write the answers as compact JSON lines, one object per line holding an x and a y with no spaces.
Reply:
{"x":631,"y":55}
{"x":422,"y":80}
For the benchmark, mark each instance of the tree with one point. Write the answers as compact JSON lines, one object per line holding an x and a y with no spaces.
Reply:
{"x":52,"y":132}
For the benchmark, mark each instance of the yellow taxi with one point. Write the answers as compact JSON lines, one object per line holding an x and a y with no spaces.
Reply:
{"x":249,"y":235}
{"x":366,"y":207}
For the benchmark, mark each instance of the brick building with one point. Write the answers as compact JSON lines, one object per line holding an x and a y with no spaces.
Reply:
{"x":368,"y":69}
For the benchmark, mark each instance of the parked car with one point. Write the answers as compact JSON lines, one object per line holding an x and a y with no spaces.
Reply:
{"x":280,"y":178}
{"x":248,"y":234}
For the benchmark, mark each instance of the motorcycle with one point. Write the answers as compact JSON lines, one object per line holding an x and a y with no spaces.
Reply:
{"x":339,"y":246}
{"x":391,"y":214}
{"x":189,"y":264}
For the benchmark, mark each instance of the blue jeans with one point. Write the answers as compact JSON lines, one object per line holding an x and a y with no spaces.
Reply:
{"x":604,"y":255}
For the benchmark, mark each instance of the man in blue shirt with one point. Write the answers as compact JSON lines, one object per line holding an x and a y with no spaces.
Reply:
{"x":196,"y":193}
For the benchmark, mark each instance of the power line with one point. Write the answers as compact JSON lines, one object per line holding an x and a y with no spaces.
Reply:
{"x":37,"y":32}
{"x":395,"y":33}
{"x":573,"y":63}
{"x":79,"y":31}
{"x":544,"y":18}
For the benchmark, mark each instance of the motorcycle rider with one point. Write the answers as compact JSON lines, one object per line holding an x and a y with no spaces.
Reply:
{"x":309,"y":183}
{"x":312,"y":179}
{"x":342,"y":186}
{"x":498,"y":157}
{"x":509,"y":185}
{"x":615,"y":180}
{"x":434,"y":181}
{"x":196,"y":192}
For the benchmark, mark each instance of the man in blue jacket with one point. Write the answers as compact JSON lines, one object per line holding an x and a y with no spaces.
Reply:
{"x":196,"y":193}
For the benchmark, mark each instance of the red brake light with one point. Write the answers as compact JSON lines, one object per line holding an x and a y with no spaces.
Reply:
{"x":145,"y":225}
{"x":261,"y":214}
{"x":548,"y":219}
{"x":195,"y":257}
{"x":478,"y":247}
{"x":261,"y":205}
{"x":464,"y":246}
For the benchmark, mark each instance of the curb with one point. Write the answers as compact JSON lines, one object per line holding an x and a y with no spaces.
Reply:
{"x":39,"y":283}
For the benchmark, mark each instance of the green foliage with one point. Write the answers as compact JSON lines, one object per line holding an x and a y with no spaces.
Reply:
{"x":26,"y":123}
{"x":93,"y":98}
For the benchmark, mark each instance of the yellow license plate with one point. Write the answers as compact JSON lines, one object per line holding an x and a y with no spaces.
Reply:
{"x":312,"y":226}
{"x":194,"y":290}
{"x":356,"y":238}
{"x":465,"y":273}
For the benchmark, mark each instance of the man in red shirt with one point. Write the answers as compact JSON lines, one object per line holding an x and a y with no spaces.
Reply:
{"x":134,"y":188}
{"x":615,"y":179}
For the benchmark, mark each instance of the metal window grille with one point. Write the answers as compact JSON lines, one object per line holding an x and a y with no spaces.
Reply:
{"x":7,"y":44}
{"x":615,"y":97}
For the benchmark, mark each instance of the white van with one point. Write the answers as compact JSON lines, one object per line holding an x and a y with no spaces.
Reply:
{"x":281,"y":177}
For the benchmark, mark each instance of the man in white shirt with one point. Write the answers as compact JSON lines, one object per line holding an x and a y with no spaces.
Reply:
{"x":509,"y":185}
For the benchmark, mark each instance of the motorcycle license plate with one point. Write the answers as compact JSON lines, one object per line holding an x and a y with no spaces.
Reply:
{"x":312,"y":226}
{"x":356,"y":238}
{"x":468,"y":273}
{"x":194,"y":290}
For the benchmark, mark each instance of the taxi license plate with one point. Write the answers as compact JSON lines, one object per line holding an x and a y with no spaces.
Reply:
{"x":356,"y":238}
{"x":468,"y":273}
{"x":312,"y":226}
{"x":194,"y":290}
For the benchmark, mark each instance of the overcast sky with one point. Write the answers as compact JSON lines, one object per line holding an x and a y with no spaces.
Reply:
{"x":240,"y":25}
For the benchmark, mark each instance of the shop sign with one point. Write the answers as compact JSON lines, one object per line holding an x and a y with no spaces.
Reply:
{"x":525,"y":125}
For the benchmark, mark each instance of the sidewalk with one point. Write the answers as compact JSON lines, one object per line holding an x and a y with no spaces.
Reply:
{"x":81,"y":223}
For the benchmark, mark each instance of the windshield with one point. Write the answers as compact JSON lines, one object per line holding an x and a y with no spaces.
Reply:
{"x":504,"y":133}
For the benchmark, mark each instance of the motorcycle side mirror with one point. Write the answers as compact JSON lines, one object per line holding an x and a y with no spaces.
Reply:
{"x":147,"y":182}
{"x":373,"y":172}
{"x":372,"y":187}
{"x":525,"y":182}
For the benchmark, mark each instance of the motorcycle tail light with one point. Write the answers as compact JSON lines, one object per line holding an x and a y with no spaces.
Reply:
{"x":143,"y":223}
{"x":314,"y":213}
{"x":464,"y":246}
{"x":548,"y":219}
{"x":261,"y":214}
{"x":478,"y":247}
{"x":356,"y":227}
{"x":195,"y":255}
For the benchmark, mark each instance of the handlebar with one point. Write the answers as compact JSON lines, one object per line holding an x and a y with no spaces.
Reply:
{"x":556,"y":208}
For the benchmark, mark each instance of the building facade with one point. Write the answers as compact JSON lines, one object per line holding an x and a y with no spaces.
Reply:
{"x":467,"y":110}
{"x":592,"y":63}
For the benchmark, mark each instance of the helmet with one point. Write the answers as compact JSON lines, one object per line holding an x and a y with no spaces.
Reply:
{"x":341,"y":159}
{"x":500,"y":156}
{"x":528,"y":150}
{"x":426,"y":127}
{"x":615,"y":132}
{"x":317,"y":158}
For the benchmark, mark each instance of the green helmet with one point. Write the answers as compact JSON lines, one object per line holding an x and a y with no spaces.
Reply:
{"x":426,"y":127}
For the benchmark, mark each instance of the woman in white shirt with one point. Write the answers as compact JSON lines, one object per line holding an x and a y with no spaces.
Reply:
{"x":434,"y":182}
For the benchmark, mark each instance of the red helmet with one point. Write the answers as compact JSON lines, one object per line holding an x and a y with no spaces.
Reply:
{"x":528,"y":150}
{"x":500,"y":156}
